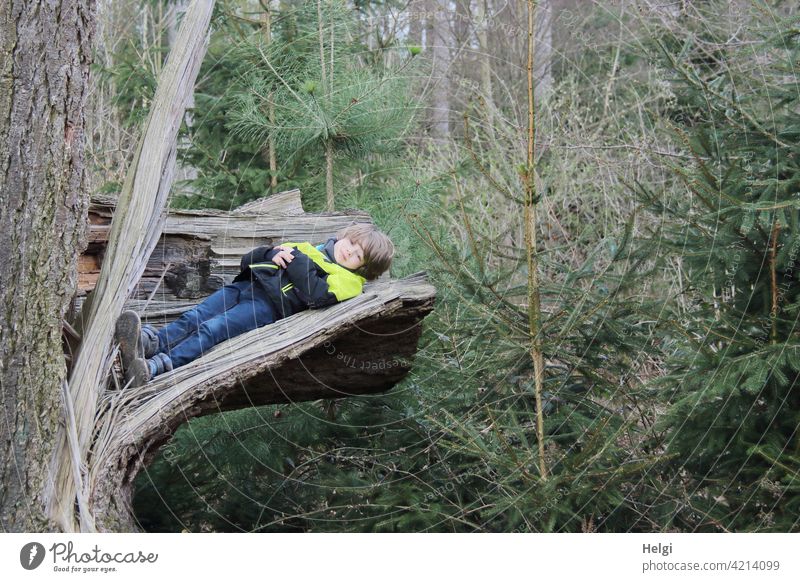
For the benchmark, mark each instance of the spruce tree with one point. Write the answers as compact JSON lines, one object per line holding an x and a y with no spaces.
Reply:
{"x":731,"y":391}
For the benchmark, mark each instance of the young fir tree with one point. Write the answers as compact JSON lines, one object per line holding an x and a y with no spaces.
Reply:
{"x":595,"y":332}
{"x":732,"y":384}
{"x":314,"y":97}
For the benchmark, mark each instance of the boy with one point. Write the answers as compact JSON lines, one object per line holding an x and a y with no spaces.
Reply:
{"x":274,"y":282}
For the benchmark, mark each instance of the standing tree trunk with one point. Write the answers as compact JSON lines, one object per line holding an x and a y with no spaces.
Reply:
{"x":438,"y":42}
{"x":485,"y":56}
{"x":266,"y":19}
{"x":45,"y":51}
{"x":176,"y":11}
{"x":461,"y":25}
{"x":543,"y":34}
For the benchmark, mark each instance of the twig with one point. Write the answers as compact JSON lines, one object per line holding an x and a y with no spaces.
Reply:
{"x":774,"y":281}
{"x":153,"y":292}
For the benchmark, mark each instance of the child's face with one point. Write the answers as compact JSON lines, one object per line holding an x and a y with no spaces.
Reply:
{"x":347,"y":254}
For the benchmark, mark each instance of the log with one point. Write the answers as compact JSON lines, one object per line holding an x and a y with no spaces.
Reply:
{"x":363,"y":346}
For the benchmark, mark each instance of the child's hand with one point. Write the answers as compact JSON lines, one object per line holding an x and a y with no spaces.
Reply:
{"x":284,"y":257}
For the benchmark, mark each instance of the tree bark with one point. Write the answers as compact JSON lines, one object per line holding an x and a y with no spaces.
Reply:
{"x":45,"y":52}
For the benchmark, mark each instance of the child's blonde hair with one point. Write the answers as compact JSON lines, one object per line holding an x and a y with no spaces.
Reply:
{"x":378,"y":248}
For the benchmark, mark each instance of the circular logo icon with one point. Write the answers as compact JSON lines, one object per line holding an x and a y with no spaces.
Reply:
{"x":31,"y":555}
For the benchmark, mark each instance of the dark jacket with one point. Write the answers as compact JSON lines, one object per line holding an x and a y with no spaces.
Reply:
{"x":312,"y":280}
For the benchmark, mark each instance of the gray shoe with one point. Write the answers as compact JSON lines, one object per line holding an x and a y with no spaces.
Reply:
{"x":128,"y":334}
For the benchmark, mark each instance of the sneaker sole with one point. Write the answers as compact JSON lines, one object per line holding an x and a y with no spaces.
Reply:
{"x":127,"y":334}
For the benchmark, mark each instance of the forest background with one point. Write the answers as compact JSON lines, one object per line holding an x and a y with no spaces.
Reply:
{"x":665,"y":186}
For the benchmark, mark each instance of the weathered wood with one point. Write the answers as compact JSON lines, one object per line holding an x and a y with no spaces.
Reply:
{"x":362,"y":346}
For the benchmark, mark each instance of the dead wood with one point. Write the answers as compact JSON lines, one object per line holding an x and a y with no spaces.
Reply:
{"x":359,"y":347}
{"x":362,"y":346}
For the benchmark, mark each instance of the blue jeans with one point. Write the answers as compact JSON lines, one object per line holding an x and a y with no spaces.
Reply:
{"x":230,"y":311}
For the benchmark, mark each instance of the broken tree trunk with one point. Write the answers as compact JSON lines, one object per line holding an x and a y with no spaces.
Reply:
{"x":362,"y":346}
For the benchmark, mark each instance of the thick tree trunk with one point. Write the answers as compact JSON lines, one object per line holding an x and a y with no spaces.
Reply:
{"x":45,"y":51}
